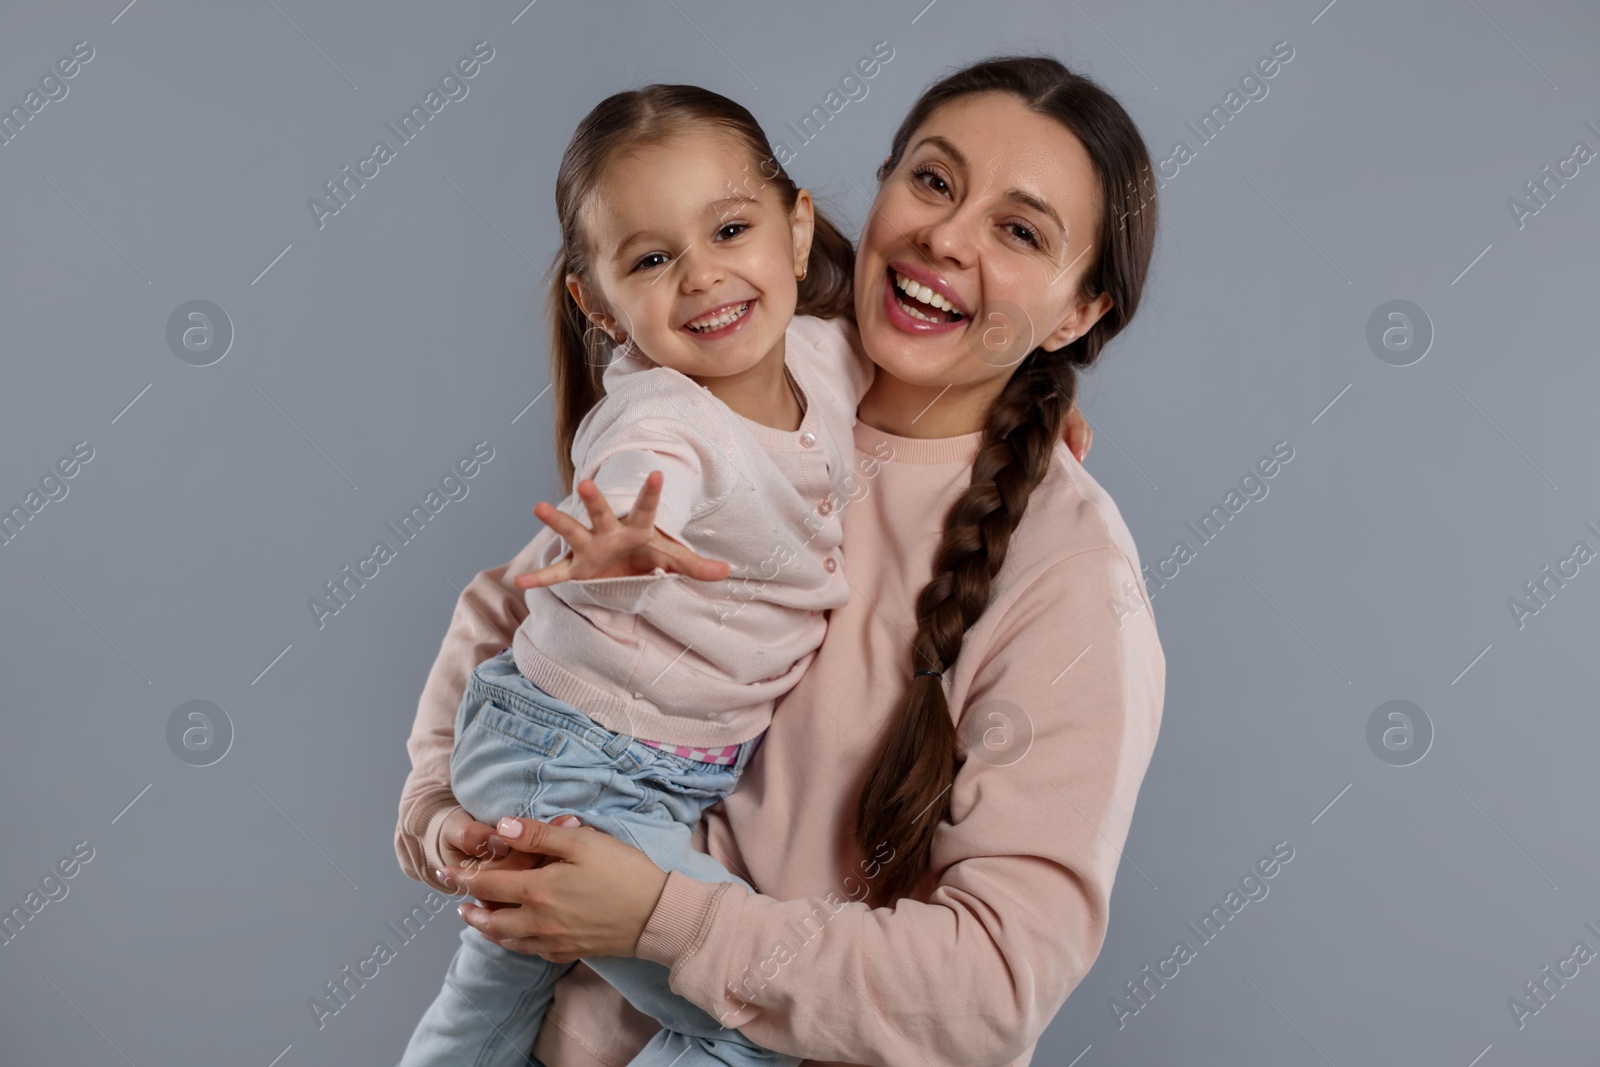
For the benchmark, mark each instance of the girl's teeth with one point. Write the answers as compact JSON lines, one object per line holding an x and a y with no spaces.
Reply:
{"x":918,"y":291}
{"x":721,"y":320}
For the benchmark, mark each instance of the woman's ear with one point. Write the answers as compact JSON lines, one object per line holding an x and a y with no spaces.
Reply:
{"x":1077,"y":323}
{"x":803,"y":226}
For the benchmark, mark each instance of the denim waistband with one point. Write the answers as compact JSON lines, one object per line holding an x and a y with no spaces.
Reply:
{"x":497,"y":678}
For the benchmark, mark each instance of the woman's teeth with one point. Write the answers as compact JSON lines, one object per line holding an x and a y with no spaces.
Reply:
{"x":917,"y":291}
{"x":721,"y":319}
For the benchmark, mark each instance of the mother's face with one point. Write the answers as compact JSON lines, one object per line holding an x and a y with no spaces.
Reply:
{"x":995,"y":209}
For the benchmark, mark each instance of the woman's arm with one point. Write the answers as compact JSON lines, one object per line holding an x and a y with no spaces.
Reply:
{"x":1023,"y":868}
{"x":1020,"y":881}
{"x":487,"y":614}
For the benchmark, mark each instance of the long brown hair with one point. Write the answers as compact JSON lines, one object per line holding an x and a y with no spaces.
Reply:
{"x":906,"y":793}
{"x":580,"y":351}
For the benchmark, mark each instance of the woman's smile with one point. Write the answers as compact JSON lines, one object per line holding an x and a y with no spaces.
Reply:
{"x":919,"y":301}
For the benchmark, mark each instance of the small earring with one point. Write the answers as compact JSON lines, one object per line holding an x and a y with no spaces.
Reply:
{"x":803,"y":272}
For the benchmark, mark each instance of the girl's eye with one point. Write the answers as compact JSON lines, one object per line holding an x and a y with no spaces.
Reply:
{"x":931,"y":178}
{"x":1023,"y":233}
{"x":647,"y":262}
{"x":732,"y":230}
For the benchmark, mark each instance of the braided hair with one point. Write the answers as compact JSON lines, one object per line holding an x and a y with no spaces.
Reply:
{"x":906,"y":792}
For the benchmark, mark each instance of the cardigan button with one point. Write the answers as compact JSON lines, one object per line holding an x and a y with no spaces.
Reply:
{"x":830,"y":564}
{"x":825,"y":508}
{"x":808,"y":439}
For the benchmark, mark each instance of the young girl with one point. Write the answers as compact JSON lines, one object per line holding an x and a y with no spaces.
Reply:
{"x":687,"y":366}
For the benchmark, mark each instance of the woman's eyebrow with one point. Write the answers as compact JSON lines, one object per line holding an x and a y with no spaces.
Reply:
{"x":1015,"y":195}
{"x":1029,"y":200}
{"x":944,"y":145}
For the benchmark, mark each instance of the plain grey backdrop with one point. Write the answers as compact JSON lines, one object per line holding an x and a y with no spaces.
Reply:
{"x":368,"y":354}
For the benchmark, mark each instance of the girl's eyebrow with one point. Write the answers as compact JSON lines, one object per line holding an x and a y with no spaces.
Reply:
{"x":721,"y":208}
{"x":727,"y":205}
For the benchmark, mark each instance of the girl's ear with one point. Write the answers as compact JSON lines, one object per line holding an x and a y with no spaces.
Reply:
{"x":802,"y":222}
{"x":581,"y":294}
{"x":593,"y":309}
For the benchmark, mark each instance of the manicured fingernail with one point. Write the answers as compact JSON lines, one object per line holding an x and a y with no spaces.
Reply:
{"x":509,"y":827}
{"x":444,"y":876}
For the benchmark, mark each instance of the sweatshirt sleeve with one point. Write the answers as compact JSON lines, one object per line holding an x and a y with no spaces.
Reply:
{"x":839,"y":357}
{"x":1021,"y":872}
{"x":641,"y":430}
{"x":487,"y":614}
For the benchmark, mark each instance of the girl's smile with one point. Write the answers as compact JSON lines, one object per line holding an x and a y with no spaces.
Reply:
{"x":720,"y":321}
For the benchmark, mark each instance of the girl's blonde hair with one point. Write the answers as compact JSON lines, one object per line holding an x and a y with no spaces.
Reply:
{"x":579,"y":351}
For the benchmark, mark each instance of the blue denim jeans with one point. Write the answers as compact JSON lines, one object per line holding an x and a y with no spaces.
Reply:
{"x":520,"y":751}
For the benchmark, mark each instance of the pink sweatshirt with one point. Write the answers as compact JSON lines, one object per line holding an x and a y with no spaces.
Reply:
{"x":1058,"y":693}
{"x":671,"y":658}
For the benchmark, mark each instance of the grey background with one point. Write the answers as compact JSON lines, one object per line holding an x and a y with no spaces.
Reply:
{"x":374,"y":352}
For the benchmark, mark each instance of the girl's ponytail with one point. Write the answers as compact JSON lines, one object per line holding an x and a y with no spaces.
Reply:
{"x":577,"y":365}
{"x":827,"y":289}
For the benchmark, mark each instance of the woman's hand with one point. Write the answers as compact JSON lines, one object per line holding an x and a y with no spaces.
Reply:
{"x":465,"y":842}
{"x":617,"y":548}
{"x":593,"y":899}
{"x":1077,"y":432}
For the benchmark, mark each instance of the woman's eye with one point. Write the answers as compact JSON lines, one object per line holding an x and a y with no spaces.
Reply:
{"x":1023,"y":233}
{"x":731,"y":230}
{"x":930,"y":177}
{"x":654,"y":259}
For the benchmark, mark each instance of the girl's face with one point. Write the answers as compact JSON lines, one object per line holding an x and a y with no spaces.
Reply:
{"x":694,"y":255}
{"x":973,"y":252}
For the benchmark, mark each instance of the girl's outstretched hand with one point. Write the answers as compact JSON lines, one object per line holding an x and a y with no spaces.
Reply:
{"x":617,"y":548}
{"x":1077,"y":432}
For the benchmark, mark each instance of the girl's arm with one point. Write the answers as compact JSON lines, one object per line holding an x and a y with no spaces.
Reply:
{"x":612,"y":547}
{"x":1019,"y":886}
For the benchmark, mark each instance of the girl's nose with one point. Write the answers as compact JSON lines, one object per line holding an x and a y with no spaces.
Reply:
{"x":699,"y":271}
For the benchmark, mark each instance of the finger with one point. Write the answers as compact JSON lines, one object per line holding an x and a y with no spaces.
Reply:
{"x":601,"y":518}
{"x":643,"y":515}
{"x":575,"y":532}
{"x":531,"y":835}
{"x":509,"y":886}
{"x":685,"y":561}
{"x":502,"y":923}
{"x":481,"y":842}
{"x":554,"y":574}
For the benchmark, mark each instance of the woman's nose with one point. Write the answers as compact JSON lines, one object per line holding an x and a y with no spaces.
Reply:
{"x":949,"y":239}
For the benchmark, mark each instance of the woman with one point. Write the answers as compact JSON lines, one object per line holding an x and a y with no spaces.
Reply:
{"x":938,"y":807}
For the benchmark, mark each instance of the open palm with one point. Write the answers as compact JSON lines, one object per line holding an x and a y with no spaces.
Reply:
{"x":617,"y":548}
